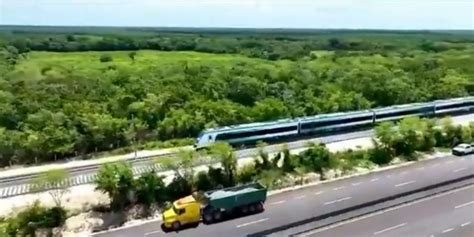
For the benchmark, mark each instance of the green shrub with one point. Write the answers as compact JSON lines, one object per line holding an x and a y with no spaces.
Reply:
{"x":203,"y":182}
{"x":246,"y":174}
{"x":380,"y":155}
{"x":150,"y":188}
{"x":105,"y":58}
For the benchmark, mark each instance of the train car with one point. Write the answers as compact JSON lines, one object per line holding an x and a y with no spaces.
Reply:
{"x":402,"y":111}
{"x":248,"y":133}
{"x":464,"y":104}
{"x":335,"y":122}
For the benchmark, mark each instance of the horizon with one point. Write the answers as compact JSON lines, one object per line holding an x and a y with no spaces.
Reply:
{"x":243,"y":14}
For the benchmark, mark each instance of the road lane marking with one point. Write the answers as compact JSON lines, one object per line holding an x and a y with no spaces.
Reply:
{"x":338,"y":200}
{"x":318,"y":193}
{"x":251,"y":223}
{"x":389,"y":228}
{"x":459,"y":170}
{"x":463,"y":205}
{"x":153,"y":232}
{"x":356,"y":184}
{"x":373,"y":180}
{"x":465,"y":224}
{"x":448,"y":230}
{"x":278,"y":202}
{"x":300,"y":197}
{"x":406,"y":183}
{"x":339,"y":188}
{"x":381,"y":212}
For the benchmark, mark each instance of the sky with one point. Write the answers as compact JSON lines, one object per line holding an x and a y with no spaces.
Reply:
{"x":355,"y":14}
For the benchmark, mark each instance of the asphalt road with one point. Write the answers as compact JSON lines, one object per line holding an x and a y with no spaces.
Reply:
{"x":291,"y":208}
{"x":448,"y":214}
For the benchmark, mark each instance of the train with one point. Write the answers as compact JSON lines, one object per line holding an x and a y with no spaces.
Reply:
{"x":246,"y":134}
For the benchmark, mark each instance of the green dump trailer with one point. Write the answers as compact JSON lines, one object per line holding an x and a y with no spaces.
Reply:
{"x":242,"y":199}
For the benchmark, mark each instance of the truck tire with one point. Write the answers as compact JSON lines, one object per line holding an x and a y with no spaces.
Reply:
{"x":164,"y":228}
{"x":176,"y":226}
{"x":252,"y":208}
{"x":217,"y":215}
{"x":244,"y":209}
{"x":207,"y":218}
{"x":259,"y":207}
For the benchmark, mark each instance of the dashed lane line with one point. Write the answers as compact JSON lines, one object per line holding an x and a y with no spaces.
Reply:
{"x":464,"y":204}
{"x":252,"y":222}
{"x":403,"y":184}
{"x":390,"y":228}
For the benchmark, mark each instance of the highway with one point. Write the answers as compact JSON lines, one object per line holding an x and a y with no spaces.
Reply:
{"x":20,"y":184}
{"x":449,"y":214}
{"x":292,"y":209}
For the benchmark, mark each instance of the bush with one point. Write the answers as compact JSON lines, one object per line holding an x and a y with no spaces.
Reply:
{"x":105,"y":58}
{"x":203,"y":182}
{"x":178,"y":188}
{"x":150,"y":188}
{"x":33,"y":218}
{"x":246,"y":174}
{"x":117,"y":181}
{"x":380,"y":155}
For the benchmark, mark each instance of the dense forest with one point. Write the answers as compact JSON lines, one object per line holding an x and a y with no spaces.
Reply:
{"x":70,"y":91}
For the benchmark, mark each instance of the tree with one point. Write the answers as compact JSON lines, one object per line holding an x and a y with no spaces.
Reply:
{"x":317,"y":158}
{"x":117,"y":181}
{"x":56,"y":181}
{"x":150,"y":188}
{"x":224,"y":153}
{"x":105,"y":58}
{"x":132,"y":55}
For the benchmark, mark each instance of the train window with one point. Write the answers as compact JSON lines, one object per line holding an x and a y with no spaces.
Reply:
{"x":456,"y":105}
{"x":400,"y":113}
{"x":235,"y":135}
{"x":335,"y":122}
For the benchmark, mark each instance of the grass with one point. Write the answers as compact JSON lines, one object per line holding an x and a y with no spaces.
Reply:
{"x":36,"y":64}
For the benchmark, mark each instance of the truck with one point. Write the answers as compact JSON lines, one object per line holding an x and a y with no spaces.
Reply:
{"x":214,"y":206}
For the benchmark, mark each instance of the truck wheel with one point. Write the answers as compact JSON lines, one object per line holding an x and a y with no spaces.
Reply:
{"x":207,"y":218}
{"x":176,"y":225}
{"x":259,"y":207}
{"x":164,"y":228}
{"x":217,"y":215}
{"x":245,"y":209}
{"x":252,"y":208}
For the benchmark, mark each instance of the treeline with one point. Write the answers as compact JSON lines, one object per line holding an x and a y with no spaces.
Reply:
{"x":270,"y":45}
{"x":59,"y":105}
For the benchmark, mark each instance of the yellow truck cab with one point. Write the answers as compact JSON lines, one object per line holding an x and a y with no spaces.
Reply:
{"x":183,"y":211}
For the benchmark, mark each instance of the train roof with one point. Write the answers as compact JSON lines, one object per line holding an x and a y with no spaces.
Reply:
{"x":455,"y":100}
{"x":336,"y":115}
{"x":252,"y":125}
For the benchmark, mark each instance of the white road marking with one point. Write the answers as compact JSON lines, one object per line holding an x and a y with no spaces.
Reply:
{"x":318,"y":193}
{"x":465,"y":224}
{"x":406,"y":183}
{"x":459,"y":170}
{"x":463,"y":205}
{"x":278,"y":202}
{"x":338,"y":200}
{"x":373,"y":180}
{"x":447,"y":230}
{"x":385,"y":211}
{"x":251,"y":223}
{"x":356,"y":184}
{"x":389,"y":228}
{"x":300,"y":197}
{"x":339,"y":188}
{"x":153,"y":232}
{"x":463,"y":159}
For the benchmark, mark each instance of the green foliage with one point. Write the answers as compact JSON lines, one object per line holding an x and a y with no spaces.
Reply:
{"x":105,"y":58}
{"x":150,"y":188}
{"x":117,"y":181}
{"x":247,"y":173}
{"x":169,"y":86}
{"x":55,"y":181}
{"x":223,"y":153}
{"x":26,"y":222}
{"x":318,"y":159}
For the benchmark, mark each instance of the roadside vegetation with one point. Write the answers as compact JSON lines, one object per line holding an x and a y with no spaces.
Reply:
{"x":405,"y":141}
{"x":65,"y":94}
